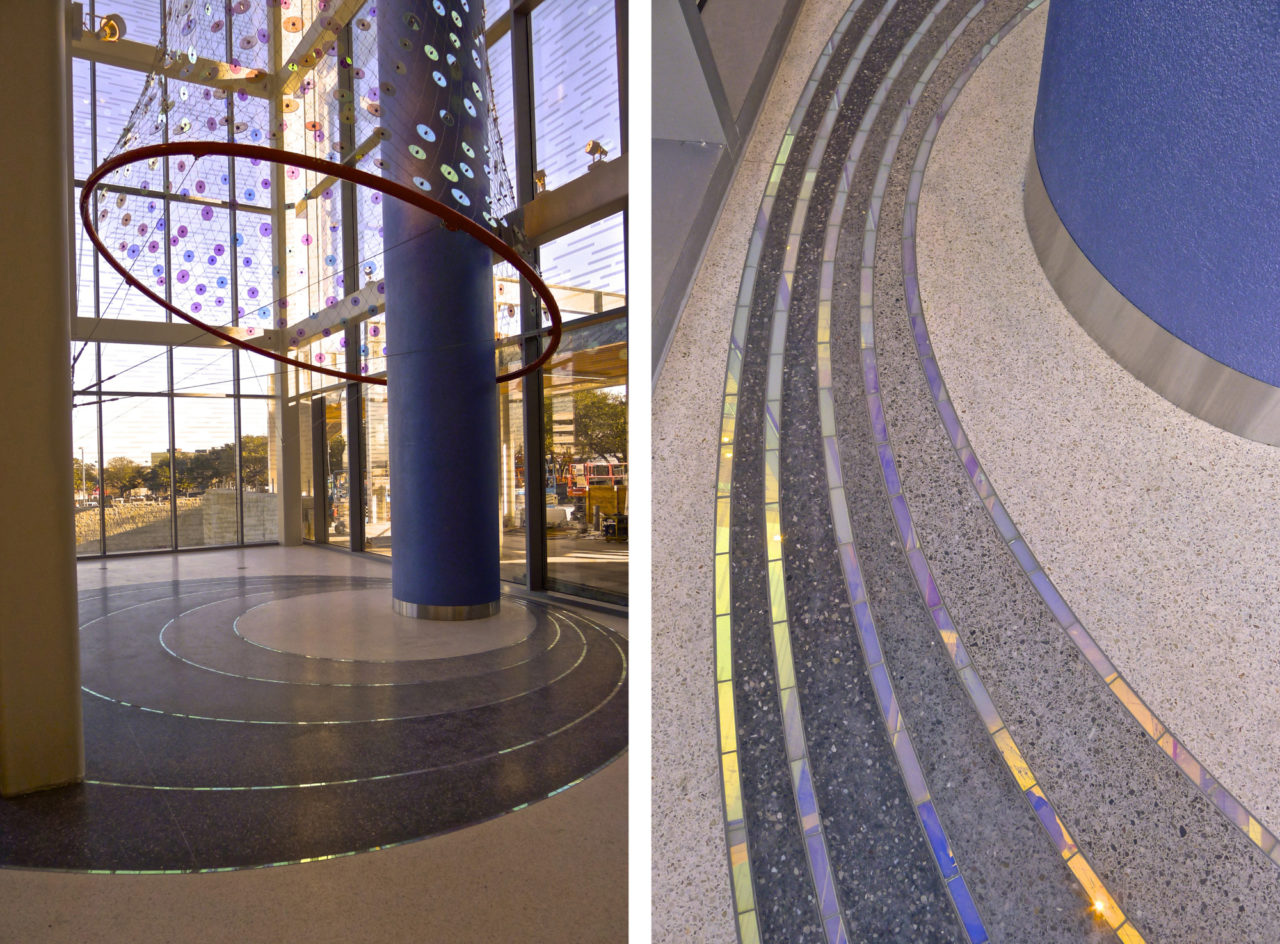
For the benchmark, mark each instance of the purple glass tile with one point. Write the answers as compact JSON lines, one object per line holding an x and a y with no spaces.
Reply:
{"x":834,"y":474}
{"x":942,"y":619}
{"x":1049,"y":820}
{"x":913,"y":295}
{"x":1187,"y":763}
{"x":950,"y":421}
{"x":878,"y":428}
{"x":1003,"y":523}
{"x":832,"y":926}
{"x":821,"y":874}
{"x":1024,"y":556}
{"x":888,"y":700}
{"x":867,"y":633}
{"x":1061,"y":612}
{"x":970,"y":462}
{"x":903,"y":519}
{"x":968,"y":910}
{"x":890,"y":469}
{"x":806,"y":802}
{"x":835,"y":931}
{"x":869,"y":375}
{"x":1092,"y":651}
{"x":924,"y":579}
{"x":1230,"y":806}
{"x":909,"y":273}
{"x":852,"y":573}
{"x":912,"y":772}
{"x":933,"y":377}
{"x":937,"y":840}
{"x":784,"y":294}
{"x":909,"y":227}
{"x":919,"y":331}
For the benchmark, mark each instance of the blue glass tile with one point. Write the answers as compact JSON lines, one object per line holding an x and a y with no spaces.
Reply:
{"x":968,"y":910}
{"x":852,"y":573}
{"x":925,"y":579}
{"x":1023,"y":553}
{"x":806,"y":802}
{"x":1049,"y":820}
{"x":821,"y":873}
{"x":938,"y":840}
{"x":834,"y":930}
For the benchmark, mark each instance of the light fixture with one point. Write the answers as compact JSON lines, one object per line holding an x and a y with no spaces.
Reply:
{"x":111,"y":29}
{"x":597,"y":151}
{"x":540,"y":180}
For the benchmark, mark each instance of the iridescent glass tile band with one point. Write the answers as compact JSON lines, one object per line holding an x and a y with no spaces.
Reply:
{"x":1230,"y":807}
{"x":909,"y":764}
{"x":736,"y":839}
{"x":1103,"y":903}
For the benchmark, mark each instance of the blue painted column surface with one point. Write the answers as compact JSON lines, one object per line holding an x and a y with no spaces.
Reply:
{"x":441,"y":397}
{"x":1157,"y":132}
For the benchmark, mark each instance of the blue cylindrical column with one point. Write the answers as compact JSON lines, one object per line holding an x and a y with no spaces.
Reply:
{"x":442,"y":401}
{"x":1158,"y":144}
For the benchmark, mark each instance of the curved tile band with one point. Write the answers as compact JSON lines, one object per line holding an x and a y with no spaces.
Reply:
{"x":1219,"y":796}
{"x":1104,"y":903}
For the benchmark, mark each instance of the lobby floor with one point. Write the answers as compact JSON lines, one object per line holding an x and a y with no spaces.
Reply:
{"x":963,"y":633}
{"x":423,"y":775}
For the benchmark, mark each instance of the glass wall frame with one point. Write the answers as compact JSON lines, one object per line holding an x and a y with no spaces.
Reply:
{"x":364,"y":499}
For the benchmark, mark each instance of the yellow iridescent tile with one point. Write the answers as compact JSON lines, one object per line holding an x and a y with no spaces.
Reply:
{"x":782,"y":653}
{"x":743,"y":893}
{"x":724,"y":648}
{"x":777,"y":591}
{"x":1013,"y":758}
{"x":722,"y":585}
{"x":728,"y":722}
{"x":773,"y":531}
{"x":1104,"y":906}
{"x":722,"y":525}
{"x":1128,"y":934}
{"x":732,"y":787}
{"x":748,"y":928}
{"x":1129,"y":698}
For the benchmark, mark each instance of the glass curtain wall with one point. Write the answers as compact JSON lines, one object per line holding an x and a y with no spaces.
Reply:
{"x":171,"y":441}
{"x":180,"y":443}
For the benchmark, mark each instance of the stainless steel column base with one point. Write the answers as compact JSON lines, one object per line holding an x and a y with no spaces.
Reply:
{"x":423,"y":611}
{"x":1188,"y":378}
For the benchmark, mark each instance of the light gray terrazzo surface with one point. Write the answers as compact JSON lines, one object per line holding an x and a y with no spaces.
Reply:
{"x":691,"y":898}
{"x":1158,"y":529}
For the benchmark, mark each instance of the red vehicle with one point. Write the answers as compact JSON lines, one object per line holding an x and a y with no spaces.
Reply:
{"x":584,"y":474}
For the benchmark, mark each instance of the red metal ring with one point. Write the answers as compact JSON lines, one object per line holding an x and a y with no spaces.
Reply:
{"x":447,"y":215}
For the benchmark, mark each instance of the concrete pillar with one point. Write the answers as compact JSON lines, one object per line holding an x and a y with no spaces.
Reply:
{"x":40,"y":724}
{"x":442,"y":401}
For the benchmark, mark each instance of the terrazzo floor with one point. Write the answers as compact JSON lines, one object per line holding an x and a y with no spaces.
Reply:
{"x":920,"y":734}
{"x":230,"y":725}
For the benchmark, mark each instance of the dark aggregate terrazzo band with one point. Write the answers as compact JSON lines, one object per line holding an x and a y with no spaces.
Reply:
{"x":1022,"y":884}
{"x":1173,"y":862}
{"x":785,"y":906}
{"x":885,"y":872}
{"x":168,"y":792}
